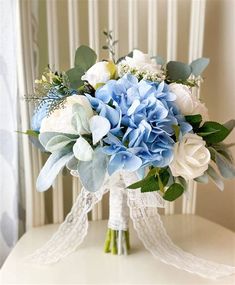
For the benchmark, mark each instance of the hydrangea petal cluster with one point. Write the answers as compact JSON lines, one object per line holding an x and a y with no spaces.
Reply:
{"x":142,"y":115}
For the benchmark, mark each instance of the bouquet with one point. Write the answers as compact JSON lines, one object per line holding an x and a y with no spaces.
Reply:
{"x":133,"y":126}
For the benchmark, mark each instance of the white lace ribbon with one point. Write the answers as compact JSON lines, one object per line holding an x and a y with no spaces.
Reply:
{"x":71,"y":232}
{"x":118,"y":209}
{"x":149,"y":227}
{"x":147,"y":223}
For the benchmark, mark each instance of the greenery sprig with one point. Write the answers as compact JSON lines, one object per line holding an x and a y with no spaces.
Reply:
{"x":110,"y":44}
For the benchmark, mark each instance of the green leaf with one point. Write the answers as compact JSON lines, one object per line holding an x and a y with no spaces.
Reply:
{"x":173,"y":192}
{"x":150,"y":184}
{"x":176,"y":129}
{"x":152,"y":171}
{"x":182,"y":182}
{"x":85,"y":57}
{"x":31,"y":133}
{"x":215,"y":177}
{"x":164,"y":176}
{"x":194,"y":120}
{"x":74,"y":76}
{"x":177,"y":70}
{"x":199,"y":65}
{"x":213,"y":132}
{"x":33,"y":137}
{"x":152,"y":181}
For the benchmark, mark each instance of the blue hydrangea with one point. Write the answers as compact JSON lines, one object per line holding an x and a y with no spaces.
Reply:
{"x":141,"y":115}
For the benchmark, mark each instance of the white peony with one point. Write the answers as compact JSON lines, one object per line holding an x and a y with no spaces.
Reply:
{"x":61,"y":119}
{"x":86,"y":123}
{"x":191,"y":157}
{"x":187,"y":102}
{"x":100,"y":73}
{"x":141,"y":61}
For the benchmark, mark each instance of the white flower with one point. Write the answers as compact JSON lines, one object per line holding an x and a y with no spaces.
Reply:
{"x":61,"y":119}
{"x":141,"y":62}
{"x":191,"y":157}
{"x":187,"y":102}
{"x":86,"y":122}
{"x":100,"y":73}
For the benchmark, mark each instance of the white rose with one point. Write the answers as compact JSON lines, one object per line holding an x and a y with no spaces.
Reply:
{"x":100,"y":73}
{"x":187,"y":102}
{"x":60,"y":120}
{"x":191,"y":157}
{"x":141,"y":61}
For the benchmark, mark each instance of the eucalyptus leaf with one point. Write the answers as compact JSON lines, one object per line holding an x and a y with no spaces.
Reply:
{"x":92,"y":173}
{"x":56,"y":161}
{"x":226,"y":168}
{"x":74,"y":76}
{"x":85,"y":57}
{"x":202,"y":179}
{"x":215,"y":177}
{"x":199,"y":65}
{"x":173,"y":192}
{"x":177,"y":70}
{"x":159,"y":59}
{"x":229,"y":125}
{"x":130,"y":54}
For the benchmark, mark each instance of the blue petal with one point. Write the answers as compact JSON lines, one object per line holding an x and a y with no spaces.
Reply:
{"x":132,"y":163}
{"x":116,"y":163}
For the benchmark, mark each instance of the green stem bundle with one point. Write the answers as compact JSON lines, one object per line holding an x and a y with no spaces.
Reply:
{"x":117,"y":242}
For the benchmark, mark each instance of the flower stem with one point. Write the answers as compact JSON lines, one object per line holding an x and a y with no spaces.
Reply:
{"x":107,"y":241}
{"x":127,"y":239}
{"x":117,"y":242}
{"x":113,"y":242}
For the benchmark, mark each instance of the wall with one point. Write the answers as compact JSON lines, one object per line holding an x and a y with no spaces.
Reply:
{"x":219,"y":96}
{"x":217,"y":91}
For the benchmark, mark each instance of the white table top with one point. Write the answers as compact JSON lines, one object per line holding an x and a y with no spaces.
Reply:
{"x":89,"y":265}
